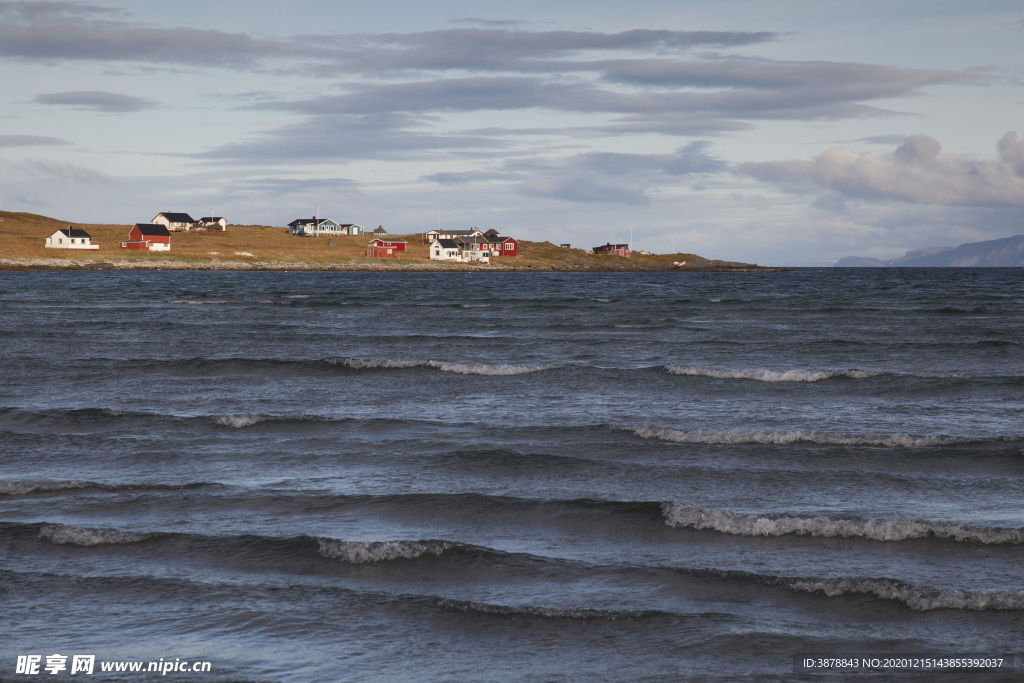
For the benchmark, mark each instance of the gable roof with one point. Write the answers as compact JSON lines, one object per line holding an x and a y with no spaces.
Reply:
{"x":447,"y":244}
{"x":211,"y":219}
{"x":175,"y":217}
{"x":74,"y":232}
{"x":311,"y":221}
{"x":153,"y":229}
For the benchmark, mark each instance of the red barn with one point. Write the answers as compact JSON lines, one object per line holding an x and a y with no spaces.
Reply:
{"x":385,"y":248}
{"x":148,"y":236}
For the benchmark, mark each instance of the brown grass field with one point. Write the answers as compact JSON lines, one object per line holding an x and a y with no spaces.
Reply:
{"x":22,"y":237}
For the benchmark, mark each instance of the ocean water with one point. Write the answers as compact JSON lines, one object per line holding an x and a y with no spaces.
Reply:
{"x":492,"y":477}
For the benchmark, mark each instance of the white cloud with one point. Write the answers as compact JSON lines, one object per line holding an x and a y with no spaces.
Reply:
{"x":916,"y":172}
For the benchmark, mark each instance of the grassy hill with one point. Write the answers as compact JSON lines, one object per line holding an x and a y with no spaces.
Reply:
{"x":22,"y":238}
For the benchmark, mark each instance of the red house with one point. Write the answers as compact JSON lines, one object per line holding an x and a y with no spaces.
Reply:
{"x":148,"y":236}
{"x":612,"y":249}
{"x":505,"y":247}
{"x":385,"y":248}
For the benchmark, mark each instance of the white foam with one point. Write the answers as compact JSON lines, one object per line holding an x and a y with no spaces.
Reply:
{"x":762,"y":375}
{"x":62,"y":534}
{"x":197,"y":302}
{"x":739,"y":436}
{"x":918,"y":599}
{"x":239,"y":421}
{"x":727,"y":522}
{"x":485,"y":369}
{"x":457,"y":368}
{"x":359,"y":364}
{"x":356,"y":552}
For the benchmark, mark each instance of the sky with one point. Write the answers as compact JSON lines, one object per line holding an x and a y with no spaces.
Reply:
{"x":778,"y":132}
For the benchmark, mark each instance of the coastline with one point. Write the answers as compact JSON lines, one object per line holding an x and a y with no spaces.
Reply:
{"x":56,"y":263}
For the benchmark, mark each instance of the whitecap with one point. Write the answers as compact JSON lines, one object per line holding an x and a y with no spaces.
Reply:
{"x":62,"y":534}
{"x":239,"y":421}
{"x":356,"y":552}
{"x":764,"y":375}
{"x":739,"y":436}
{"x":687,"y":516}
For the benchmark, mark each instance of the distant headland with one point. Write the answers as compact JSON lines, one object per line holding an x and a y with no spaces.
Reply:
{"x":1007,"y":252}
{"x":33,"y":242}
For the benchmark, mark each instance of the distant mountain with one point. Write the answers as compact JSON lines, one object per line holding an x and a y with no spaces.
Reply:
{"x":1005,"y":252}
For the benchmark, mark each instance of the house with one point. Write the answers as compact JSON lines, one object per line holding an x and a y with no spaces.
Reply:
{"x":314,"y":226}
{"x":444,"y":250}
{"x":504,"y":247}
{"x":148,"y":236}
{"x":492,"y":234}
{"x":322,"y":226}
{"x":173,"y":221}
{"x":430,"y":235}
{"x":385,"y":248}
{"x":380,"y":231}
{"x":612,"y":249}
{"x":214,"y":222}
{"x":70,"y":238}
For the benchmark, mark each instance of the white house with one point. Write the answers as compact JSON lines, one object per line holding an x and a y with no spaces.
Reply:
{"x":431,"y":235}
{"x":70,"y":238}
{"x":214,"y":222}
{"x":444,"y":250}
{"x":174,"y":221}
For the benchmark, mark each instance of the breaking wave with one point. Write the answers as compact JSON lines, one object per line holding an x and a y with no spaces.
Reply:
{"x":738,"y":436}
{"x":917,"y":599}
{"x":768,"y":375}
{"x":62,"y":534}
{"x":545,"y":612}
{"x":457,"y":368}
{"x":356,"y":552}
{"x":727,"y":522}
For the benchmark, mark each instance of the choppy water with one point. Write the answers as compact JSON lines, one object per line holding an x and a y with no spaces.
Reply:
{"x":402,"y":476}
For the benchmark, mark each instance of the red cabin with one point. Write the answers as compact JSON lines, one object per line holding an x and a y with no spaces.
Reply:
{"x":385,"y":248}
{"x":148,"y":236}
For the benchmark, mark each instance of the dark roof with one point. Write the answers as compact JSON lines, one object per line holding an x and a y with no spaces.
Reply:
{"x":75,"y":232}
{"x":448,"y":244}
{"x":153,"y":229}
{"x":310,"y":221}
{"x":211,"y":219}
{"x":176,"y":217}
{"x":492,"y":233}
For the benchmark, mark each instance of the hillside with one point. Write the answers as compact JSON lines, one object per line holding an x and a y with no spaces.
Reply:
{"x":1000,"y":253}
{"x":260,"y":247}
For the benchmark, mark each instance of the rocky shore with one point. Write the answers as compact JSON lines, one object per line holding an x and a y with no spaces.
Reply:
{"x":249,"y":265}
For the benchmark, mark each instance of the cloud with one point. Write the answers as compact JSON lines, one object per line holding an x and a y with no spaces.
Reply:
{"x":98,"y":101}
{"x":64,"y":172}
{"x":581,"y":190}
{"x":29,"y":140}
{"x":917,"y":172}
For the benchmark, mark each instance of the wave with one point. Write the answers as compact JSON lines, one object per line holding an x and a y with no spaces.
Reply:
{"x":916,"y":598}
{"x":23,"y":488}
{"x":63,"y":534}
{"x":357,"y":552}
{"x":683,"y":515}
{"x":738,"y":436}
{"x":768,"y":375}
{"x":544,"y":612}
{"x":458,"y":368}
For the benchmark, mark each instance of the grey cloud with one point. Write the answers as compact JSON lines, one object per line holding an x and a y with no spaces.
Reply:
{"x":581,"y":190}
{"x":49,"y":10}
{"x":96,"y":100}
{"x":894,"y":139}
{"x":342,"y":137}
{"x":29,"y":141}
{"x":66,"y":172}
{"x":487,"y":22}
{"x":916,"y":172}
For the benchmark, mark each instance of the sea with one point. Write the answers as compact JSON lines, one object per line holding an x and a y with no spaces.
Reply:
{"x":396,"y":476}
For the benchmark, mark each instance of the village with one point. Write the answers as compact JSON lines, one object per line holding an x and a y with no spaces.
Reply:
{"x":457,"y":246}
